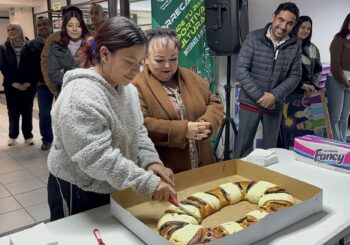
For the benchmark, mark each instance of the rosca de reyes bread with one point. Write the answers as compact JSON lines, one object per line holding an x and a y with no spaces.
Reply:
{"x":182,"y":228}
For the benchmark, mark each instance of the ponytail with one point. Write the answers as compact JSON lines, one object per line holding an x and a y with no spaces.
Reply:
{"x":86,"y":54}
{"x":114,"y":34}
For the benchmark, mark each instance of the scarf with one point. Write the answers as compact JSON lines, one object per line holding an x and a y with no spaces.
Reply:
{"x":74,"y":46}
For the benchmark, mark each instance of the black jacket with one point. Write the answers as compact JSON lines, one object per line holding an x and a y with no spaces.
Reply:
{"x":8,"y":65}
{"x":31,"y":61}
{"x":60,"y":61}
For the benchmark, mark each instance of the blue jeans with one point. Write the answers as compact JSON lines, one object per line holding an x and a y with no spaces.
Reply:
{"x":45,"y":99}
{"x":338,"y":107}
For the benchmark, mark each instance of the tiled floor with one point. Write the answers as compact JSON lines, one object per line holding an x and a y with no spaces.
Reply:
{"x":23,"y":178}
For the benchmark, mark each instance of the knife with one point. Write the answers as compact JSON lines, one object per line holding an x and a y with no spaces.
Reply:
{"x":181,"y":207}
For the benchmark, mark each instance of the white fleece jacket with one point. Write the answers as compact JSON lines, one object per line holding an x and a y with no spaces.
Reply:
{"x":100,"y":143}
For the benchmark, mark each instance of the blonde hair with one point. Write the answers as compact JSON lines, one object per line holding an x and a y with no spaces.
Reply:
{"x":18,"y":28}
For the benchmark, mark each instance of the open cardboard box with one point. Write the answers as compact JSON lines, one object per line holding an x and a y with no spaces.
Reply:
{"x":141,"y":215}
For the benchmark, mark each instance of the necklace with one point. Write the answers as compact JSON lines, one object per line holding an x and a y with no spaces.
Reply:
{"x":171,"y":90}
{"x":176,"y":94}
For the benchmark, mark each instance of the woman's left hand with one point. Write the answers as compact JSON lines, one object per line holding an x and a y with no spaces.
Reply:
{"x":308,"y":88}
{"x":204,"y":132}
{"x":166,"y":174}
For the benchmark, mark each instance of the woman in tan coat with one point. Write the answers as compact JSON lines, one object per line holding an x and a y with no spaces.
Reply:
{"x":179,"y":110}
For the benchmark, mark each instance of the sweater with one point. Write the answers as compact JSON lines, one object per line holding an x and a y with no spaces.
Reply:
{"x":340,"y":59}
{"x":101,"y":144}
{"x":311,"y":67}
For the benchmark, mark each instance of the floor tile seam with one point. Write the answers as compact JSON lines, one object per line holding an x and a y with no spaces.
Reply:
{"x":13,"y":158}
{"x":7,"y":190}
{"x":25,"y":207}
{"x":16,"y":180}
{"x":45,"y":185}
{"x":13,"y":210}
{"x":29,"y":168}
{"x":37,"y":204}
{"x":30,"y":215}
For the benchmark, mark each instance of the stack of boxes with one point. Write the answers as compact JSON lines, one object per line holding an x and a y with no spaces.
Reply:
{"x":326,"y":69}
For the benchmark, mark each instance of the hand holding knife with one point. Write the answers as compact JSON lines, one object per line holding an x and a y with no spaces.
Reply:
{"x":181,"y":207}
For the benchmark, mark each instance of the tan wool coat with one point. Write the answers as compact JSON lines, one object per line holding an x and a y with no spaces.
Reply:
{"x":166,"y":131}
{"x":53,"y":38}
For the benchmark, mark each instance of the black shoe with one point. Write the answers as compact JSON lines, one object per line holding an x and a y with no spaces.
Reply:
{"x":45,"y":146}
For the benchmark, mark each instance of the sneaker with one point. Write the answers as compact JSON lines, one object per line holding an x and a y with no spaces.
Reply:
{"x":12,"y":142}
{"x":29,"y":141}
{"x":45,"y":146}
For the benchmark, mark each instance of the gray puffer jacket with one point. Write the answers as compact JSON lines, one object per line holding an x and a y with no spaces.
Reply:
{"x":100,"y":143}
{"x":258,"y":72}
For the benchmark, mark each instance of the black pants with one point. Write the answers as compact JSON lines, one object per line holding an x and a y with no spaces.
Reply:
{"x":20,"y":103}
{"x":81,"y":200}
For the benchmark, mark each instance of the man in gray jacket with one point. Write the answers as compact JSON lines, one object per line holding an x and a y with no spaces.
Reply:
{"x":268,"y":69}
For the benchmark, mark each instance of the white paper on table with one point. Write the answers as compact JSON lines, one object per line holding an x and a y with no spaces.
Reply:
{"x":38,"y":235}
{"x":262,"y":157}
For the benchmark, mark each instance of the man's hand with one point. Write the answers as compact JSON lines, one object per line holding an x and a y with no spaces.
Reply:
{"x":166,"y":174}
{"x":267,"y":101}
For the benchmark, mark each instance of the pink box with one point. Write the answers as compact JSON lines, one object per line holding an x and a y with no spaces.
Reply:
{"x":323,"y":152}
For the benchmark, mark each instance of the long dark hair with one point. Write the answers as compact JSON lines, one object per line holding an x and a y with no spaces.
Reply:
{"x":344,"y":31}
{"x":68,"y":14}
{"x":301,"y":20}
{"x":115,"y":33}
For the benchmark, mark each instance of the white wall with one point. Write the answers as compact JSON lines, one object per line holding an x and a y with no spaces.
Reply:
{"x":327,"y":17}
{"x":41,"y":8}
{"x":24,"y":16}
{"x":3,"y":35}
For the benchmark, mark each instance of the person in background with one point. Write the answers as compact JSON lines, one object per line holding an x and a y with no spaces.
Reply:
{"x":338,"y":82}
{"x":62,"y":54}
{"x":311,"y":72}
{"x":268,"y":70}
{"x":179,"y":110}
{"x":96,"y":16}
{"x":53,"y":39}
{"x":45,"y":97}
{"x":100,"y":143}
{"x":311,"y":61}
{"x":19,"y":90}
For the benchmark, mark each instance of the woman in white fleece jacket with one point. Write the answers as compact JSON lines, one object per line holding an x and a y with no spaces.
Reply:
{"x":101,"y":144}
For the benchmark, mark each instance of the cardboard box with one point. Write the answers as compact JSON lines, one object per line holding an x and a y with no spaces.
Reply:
{"x":141,"y":215}
{"x":322,"y":152}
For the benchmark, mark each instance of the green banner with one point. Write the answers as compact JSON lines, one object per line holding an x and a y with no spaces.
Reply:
{"x":187,"y":18}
